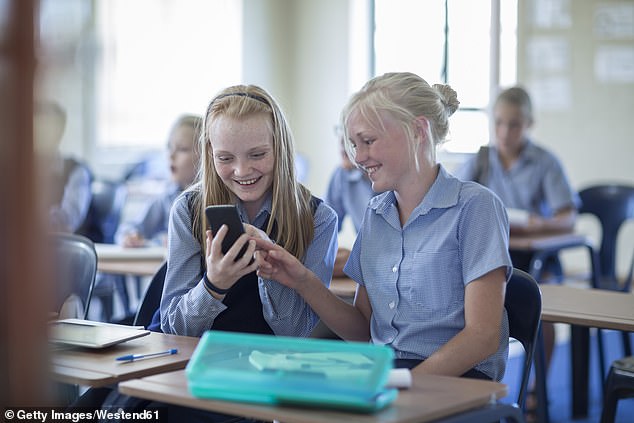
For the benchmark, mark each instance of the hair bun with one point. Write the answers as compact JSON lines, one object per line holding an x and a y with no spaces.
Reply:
{"x":448,"y":96}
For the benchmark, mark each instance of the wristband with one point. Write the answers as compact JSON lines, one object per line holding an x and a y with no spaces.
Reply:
{"x":213,"y":287}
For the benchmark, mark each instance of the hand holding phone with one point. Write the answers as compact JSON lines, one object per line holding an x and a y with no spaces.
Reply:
{"x":227,"y":215}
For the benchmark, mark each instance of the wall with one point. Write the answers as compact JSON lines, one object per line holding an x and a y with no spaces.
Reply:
{"x":583,"y":120}
{"x":298,"y":51}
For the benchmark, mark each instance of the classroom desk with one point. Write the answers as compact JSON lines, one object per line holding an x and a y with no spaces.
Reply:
{"x":344,"y":288}
{"x":429,"y":398}
{"x":98,"y":367}
{"x":542,"y":246}
{"x":597,"y":308}
{"x":144,"y":261}
{"x":584,"y":308}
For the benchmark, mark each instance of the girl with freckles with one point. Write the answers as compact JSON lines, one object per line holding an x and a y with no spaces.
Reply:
{"x":247,"y":160}
{"x":431,"y":258}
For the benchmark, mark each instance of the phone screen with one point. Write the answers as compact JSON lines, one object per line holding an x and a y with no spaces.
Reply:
{"x":227,"y":215}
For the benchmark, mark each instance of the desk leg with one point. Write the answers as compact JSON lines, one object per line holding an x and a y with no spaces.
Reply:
{"x":579,"y":351}
{"x":540,"y":379}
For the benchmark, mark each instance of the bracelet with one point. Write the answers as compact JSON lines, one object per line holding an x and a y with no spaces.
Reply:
{"x":213,"y":287}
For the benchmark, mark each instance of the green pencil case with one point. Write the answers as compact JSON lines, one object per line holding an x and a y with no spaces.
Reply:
{"x":295,"y":371}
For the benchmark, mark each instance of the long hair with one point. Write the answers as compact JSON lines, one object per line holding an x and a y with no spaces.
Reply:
{"x":290,"y":207}
{"x":406,"y":96}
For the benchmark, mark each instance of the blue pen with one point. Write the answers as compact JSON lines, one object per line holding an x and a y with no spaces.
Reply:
{"x":133,"y":357}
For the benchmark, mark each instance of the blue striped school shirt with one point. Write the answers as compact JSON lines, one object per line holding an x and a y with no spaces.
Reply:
{"x":415,"y":275}
{"x":187,"y":308}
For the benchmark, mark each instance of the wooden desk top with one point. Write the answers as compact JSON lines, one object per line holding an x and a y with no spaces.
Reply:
{"x":98,"y":367}
{"x":430,"y":398}
{"x":144,"y":261}
{"x":343,"y":287}
{"x":588,"y":307}
{"x":548,"y":241}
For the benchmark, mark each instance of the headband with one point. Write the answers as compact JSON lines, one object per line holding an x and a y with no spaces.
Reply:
{"x":253,"y":96}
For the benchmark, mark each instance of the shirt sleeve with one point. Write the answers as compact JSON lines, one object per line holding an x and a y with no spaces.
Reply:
{"x":557,"y":190}
{"x":334,"y":196}
{"x":73,"y":209}
{"x":187,"y":308}
{"x":285,"y":311}
{"x":483,"y":235}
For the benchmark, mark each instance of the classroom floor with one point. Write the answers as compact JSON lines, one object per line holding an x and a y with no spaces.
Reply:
{"x":559,"y":379}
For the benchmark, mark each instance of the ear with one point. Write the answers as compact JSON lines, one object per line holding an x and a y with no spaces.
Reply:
{"x":421,"y":126}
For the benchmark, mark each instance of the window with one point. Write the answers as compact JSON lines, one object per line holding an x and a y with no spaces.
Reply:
{"x":160,"y":59}
{"x":450,"y":41}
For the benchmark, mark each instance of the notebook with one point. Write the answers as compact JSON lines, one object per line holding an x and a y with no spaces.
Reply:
{"x":89,"y":334}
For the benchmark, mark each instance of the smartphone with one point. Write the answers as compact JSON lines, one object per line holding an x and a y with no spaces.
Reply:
{"x":227,"y":215}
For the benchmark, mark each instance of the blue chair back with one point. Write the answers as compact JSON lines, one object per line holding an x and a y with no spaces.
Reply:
{"x":612,"y":205}
{"x":523,"y":303}
{"x":151,"y":300}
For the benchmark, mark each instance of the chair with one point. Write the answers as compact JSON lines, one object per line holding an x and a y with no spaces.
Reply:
{"x":612,"y":204}
{"x":151,"y":300}
{"x":76,"y":268}
{"x":107,"y":202}
{"x":108,"y":198}
{"x":523,"y":304}
{"x":619,"y":384}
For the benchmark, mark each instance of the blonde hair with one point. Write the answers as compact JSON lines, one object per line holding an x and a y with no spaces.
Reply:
{"x":290,"y":202}
{"x":406,"y":97}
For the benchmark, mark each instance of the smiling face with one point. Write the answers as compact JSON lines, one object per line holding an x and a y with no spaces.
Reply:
{"x":243,"y":156}
{"x":383,"y":154}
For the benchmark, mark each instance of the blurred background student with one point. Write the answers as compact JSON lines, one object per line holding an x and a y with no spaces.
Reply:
{"x":349,"y":191}
{"x":528,"y":178}
{"x":68,"y":199}
{"x":149,"y":227}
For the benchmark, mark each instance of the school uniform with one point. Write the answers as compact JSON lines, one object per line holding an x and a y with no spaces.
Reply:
{"x":187,"y":308}
{"x":152,"y":222}
{"x":415,"y":275}
{"x":348,"y":194}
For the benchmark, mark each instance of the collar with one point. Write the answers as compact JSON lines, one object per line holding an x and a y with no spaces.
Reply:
{"x":263,"y":213}
{"x":442,"y":194}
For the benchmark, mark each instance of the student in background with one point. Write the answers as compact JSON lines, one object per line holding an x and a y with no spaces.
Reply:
{"x":247,"y":160}
{"x":527,"y":177}
{"x":69,"y":193}
{"x":523,"y":174}
{"x":349,"y":191}
{"x":431,"y":258}
{"x":150,"y":226}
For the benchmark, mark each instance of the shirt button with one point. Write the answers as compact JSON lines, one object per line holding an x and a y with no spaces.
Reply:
{"x":394,"y":269}
{"x":391,"y":304}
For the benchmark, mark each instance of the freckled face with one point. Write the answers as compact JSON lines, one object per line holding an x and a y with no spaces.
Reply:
{"x":242,"y":152}
{"x":384,"y":155}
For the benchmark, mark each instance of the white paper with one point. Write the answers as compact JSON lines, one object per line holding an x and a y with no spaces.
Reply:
{"x":551,"y":93}
{"x":548,"y":54}
{"x":614,"y":20}
{"x":518,"y":217}
{"x":552,"y":14}
{"x":399,"y":378}
{"x":614,"y":64}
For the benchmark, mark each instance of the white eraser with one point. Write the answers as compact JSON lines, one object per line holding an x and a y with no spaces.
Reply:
{"x":399,"y":378}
